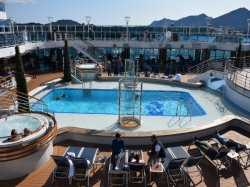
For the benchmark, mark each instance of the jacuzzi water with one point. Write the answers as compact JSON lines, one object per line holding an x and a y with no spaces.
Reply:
{"x":18,"y":122}
{"x":101,"y":101}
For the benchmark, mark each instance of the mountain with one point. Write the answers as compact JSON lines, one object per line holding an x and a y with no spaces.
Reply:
{"x":236,"y":19}
{"x":163,"y":22}
{"x":65,"y":22}
{"x":193,"y":20}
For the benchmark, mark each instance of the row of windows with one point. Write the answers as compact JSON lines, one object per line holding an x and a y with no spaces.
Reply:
{"x":2,"y":7}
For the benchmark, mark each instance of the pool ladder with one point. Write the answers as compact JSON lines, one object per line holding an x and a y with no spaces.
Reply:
{"x":189,"y":108}
{"x":180,"y":103}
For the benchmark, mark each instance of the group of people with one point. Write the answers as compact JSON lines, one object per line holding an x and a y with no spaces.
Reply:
{"x":15,"y":136}
{"x":156,"y":153}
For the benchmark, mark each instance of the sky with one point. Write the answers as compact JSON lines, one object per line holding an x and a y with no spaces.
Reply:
{"x":112,"y":12}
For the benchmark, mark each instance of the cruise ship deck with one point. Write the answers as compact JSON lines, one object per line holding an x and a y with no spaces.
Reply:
{"x":208,"y":64}
{"x":43,"y":175}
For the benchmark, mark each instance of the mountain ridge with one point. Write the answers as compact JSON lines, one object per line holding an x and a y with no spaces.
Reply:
{"x":236,"y":19}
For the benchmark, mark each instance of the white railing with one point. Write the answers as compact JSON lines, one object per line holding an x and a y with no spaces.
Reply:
{"x":8,"y":82}
{"x":238,"y":76}
{"x":216,"y":64}
{"x":18,"y":102}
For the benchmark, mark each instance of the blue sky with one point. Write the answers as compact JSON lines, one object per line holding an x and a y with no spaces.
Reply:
{"x":112,"y":12}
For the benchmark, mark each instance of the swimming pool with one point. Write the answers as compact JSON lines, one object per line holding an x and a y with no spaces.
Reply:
{"x":105,"y":101}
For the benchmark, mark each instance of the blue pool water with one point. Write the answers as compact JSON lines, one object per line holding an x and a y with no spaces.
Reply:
{"x":154,"y":103}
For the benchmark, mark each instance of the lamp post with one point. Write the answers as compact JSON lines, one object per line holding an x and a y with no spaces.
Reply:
{"x":208,"y":25}
{"x":172,"y":31}
{"x":248,"y":26}
{"x":12,"y":29}
{"x":88,"y":19}
{"x":50,"y":19}
{"x":127,"y":18}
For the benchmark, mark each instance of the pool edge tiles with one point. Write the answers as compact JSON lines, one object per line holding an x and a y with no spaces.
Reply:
{"x":56,"y":104}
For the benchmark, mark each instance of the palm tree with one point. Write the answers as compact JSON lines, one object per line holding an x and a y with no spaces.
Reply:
{"x":67,"y":69}
{"x":22,"y":91}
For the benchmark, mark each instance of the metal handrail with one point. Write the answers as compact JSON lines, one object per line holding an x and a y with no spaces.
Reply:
{"x":216,"y":64}
{"x":189,"y":109}
{"x":10,"y":98}
{"x":239,"y":77}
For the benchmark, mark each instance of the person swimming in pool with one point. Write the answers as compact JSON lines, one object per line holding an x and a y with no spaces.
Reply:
{"x":60,"y":97}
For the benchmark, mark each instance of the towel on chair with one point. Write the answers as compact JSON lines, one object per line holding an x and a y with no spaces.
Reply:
{"x":71,"y":165}
{"x":71,"y":168}
{"x":71,"y":154}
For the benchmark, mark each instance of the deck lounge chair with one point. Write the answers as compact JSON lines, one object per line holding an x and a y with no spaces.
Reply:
{"x":136,"y":173}
{"x":81,"y":166}
{"x":219,"y":159}
{"x":83,"y":161}
{"x":243,"y":151}
{"x":62,"y":167}
{"x":173,"y":164}
{"x":191,"y":165}
{"x":174,"y":170}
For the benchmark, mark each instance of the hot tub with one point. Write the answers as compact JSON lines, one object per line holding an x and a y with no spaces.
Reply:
{"x":89,"y":66}
{"x":32,"y":121}
{"x":89,"y":71}
{"x":21,"y":157}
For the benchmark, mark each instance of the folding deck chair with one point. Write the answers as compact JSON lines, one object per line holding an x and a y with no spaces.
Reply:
{"x":219,"y":160}
{"x":191,"y":165}
{"x":136,"y":173}
{"x":174,"y":170}
{"x":173,"y":164}
{"x":244,"y":153}
{"x":61,"y":170}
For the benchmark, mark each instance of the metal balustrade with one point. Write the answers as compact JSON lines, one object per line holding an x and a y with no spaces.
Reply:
{"x":118,"y":33}
{"x":216,"y":64}
{"x":238,"y":75}
{"x":10,"y":99}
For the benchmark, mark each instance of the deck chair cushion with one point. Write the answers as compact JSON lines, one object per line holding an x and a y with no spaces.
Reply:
{"x":135,"y":166}
{"x":81,"y":163}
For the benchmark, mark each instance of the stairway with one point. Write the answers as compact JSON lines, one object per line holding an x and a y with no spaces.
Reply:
{"x":87,"y":49}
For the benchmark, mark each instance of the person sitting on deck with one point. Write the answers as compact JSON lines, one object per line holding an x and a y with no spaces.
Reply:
{"x":157,"y":150}
{"x":231,"y":144}
{"x":137,"y":158}
{"x":118,"y":150}
{"x":14,"y":136}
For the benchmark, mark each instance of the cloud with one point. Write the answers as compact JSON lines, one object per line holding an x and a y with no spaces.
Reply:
{"x":19,"y":1}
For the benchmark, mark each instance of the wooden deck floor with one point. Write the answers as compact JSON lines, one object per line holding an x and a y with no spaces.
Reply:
{"x":43,"y":176}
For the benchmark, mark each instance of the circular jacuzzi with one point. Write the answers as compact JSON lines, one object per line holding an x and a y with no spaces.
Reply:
{"x":21,"y":157}
{"x":87,"y":66}
{"x":88,"y":71}
{"x":33,"y":122}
